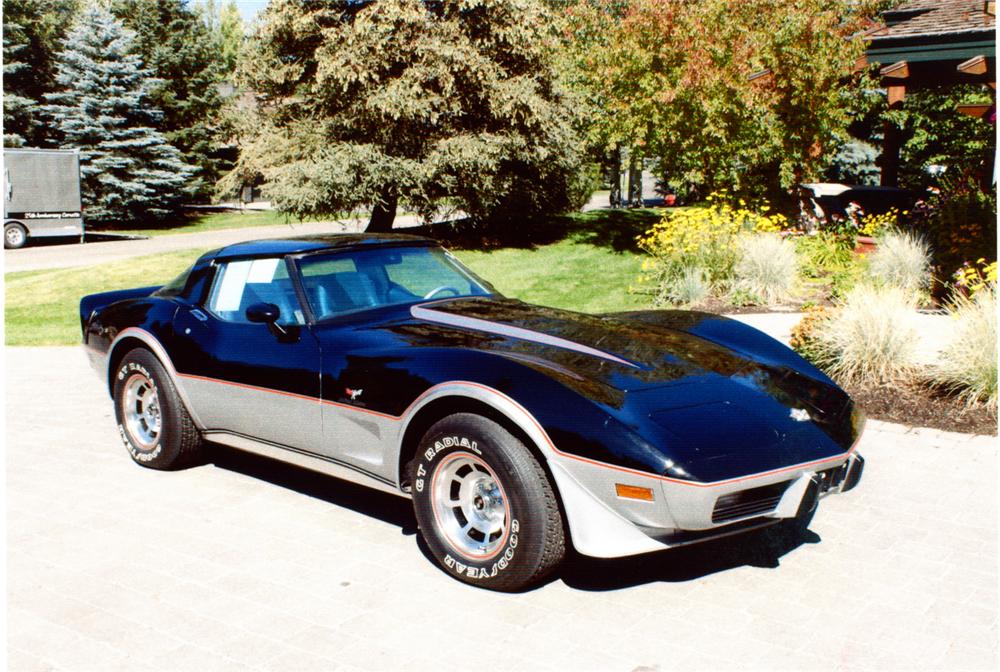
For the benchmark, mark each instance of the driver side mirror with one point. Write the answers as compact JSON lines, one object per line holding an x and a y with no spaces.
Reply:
{"x":267,"y":313}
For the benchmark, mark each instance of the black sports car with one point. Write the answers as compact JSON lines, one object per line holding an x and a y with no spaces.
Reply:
{"x":514,"y":428}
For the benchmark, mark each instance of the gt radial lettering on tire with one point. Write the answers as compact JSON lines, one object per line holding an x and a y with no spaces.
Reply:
{"x":485,"y":506}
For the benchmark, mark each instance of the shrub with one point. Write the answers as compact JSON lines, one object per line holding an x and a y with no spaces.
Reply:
{"x":767,"y":267}
{"x":960,"y":223}
{"x":700,"y":237}
{"x":690,"y":287}
{"x":846,"y":279}
{"x":968,"y":365}
{"x":824,"y":252}
{"x":870,"y":338}
{"x":902,"y":260}
{"x":803,"y":339}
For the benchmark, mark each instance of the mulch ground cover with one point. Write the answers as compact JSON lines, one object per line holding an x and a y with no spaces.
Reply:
{"x":920,"y":406}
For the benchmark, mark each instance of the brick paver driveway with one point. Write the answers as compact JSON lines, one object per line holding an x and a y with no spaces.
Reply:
{"x":246,"y":563}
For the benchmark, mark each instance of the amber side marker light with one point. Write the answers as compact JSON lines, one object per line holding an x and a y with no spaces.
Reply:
{"x":633,"y":492}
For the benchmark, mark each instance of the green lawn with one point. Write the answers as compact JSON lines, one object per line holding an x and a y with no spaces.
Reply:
{"x":582,"y":262}
{"x":568,"y":274}
{"x":42,"y":307}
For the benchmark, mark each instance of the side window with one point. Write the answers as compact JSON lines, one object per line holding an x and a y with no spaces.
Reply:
{"x":240,"y":284}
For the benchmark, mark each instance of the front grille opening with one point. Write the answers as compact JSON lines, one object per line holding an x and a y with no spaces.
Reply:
{"x":752,"y":502}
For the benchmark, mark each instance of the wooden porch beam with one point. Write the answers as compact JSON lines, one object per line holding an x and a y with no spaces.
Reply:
{"x":898,"y":70}
{"x":974,"y":109}
{"x":974,"y":66}
{"x":896,"y":94}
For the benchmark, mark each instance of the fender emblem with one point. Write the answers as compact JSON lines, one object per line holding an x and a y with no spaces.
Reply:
{"x":799,"y":414}
{"x":353,"y":394}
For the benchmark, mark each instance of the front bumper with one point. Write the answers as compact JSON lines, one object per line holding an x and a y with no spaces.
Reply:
{"x":602,"y":524}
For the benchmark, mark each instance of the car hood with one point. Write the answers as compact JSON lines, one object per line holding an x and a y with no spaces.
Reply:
{"x":620,"y":351}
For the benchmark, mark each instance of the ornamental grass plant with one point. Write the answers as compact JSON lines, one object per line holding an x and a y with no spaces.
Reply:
{"x":767,"y":268}
{"x":902,"y":260}
{"x":689,"y":288}
{"x":967,"y":367}
{"x":870,"y":339}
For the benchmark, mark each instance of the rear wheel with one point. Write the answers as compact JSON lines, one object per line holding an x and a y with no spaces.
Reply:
{"x":153,"y":423}
{"x":485,"y":506}
{"x":14,"y":236}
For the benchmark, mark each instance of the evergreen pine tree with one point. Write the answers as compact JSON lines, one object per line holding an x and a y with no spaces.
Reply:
{"x":32,"y":31}
{"x":128,"y":169}
{"x":18,"y":110}
{"x":179,"y":50}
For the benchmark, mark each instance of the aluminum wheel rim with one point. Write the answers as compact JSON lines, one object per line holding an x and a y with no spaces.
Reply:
{"x":470,"y":506}
{"x":141,"y":406}
{"x":14,"y":235}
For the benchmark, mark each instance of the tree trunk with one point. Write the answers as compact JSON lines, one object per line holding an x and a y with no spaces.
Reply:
{"x":615,"y":177}
{"x":383,"y":214}
{"x":889,"y":161}
{"x":634,"y":182}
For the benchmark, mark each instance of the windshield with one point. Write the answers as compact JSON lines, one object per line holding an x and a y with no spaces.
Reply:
{"x":346,"y":282}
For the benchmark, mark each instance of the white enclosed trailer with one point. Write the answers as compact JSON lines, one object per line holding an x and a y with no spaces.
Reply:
{"x":41,"y":194}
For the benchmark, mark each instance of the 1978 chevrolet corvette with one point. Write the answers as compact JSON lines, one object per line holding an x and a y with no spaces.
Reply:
{"x":515,"y":429}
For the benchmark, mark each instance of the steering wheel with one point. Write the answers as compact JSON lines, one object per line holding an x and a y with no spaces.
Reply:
{"x":442,"y":288}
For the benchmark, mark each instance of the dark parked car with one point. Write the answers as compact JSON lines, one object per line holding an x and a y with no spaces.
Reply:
{"x":831,"y":201}
{"x":516,"y":429}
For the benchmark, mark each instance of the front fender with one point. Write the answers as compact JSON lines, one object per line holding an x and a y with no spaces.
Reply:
{"x":733,"y":334}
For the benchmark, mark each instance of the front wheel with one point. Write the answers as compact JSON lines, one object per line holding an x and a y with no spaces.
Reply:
{"x":153,"y":423}
{"x":14,"y":236}
{"x":485,"y":506}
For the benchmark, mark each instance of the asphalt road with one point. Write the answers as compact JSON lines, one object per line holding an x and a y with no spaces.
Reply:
{"x":248,"y":564}
{"x":73,"y":254}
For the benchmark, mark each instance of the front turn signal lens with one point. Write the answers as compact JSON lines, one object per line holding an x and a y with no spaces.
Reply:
{"x":633,"y":492}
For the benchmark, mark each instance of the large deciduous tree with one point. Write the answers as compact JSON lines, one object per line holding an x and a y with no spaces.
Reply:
{"x":674,"y":80}
{"x":129,"y":172}
{"x":411,"y":103}
{"x":178,"y":49}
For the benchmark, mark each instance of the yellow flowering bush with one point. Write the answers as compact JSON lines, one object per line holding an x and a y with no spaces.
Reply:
{"x":701,"y":237}
{"x":873,"y":225}
{"x":972,"y":278}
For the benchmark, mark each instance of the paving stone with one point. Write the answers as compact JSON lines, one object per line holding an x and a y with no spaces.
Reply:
{"x":111,"y":566}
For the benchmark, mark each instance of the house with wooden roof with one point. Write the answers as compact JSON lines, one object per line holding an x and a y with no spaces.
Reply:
{"x":925,"y":43}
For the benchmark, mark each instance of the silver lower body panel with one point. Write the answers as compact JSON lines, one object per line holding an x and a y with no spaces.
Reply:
{"x":301,"y":458}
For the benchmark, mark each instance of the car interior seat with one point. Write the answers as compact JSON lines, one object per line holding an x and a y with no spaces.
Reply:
{"x":341,"y":293}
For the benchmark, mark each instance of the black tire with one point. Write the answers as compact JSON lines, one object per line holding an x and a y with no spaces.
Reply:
{"x":512,"y":487}
{"x":14,"y":236}
{"x":152,"y":421}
